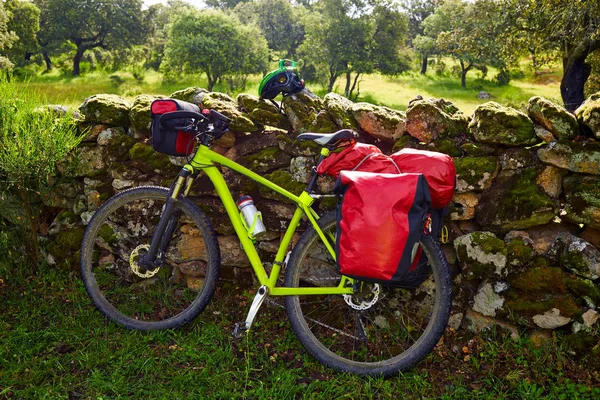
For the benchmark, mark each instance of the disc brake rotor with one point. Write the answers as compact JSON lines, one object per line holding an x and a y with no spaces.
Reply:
{"x":133,"y":262}
{"x":366,"y":301}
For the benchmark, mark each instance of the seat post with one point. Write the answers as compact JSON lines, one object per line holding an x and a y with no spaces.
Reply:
{"x":310,"y":188}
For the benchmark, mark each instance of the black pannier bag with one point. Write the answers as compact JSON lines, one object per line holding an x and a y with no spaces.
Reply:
{"x":166,"y":138}
{"x":381,"y":218}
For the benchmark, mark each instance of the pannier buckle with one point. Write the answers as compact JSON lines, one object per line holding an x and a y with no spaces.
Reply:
{"x":428,"y":223}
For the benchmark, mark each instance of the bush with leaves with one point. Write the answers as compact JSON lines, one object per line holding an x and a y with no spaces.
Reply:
{"x":33,"y":139}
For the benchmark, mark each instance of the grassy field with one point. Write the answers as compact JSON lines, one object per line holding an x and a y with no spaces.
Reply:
{"x":54,"y":344}
{"x":394,"y":92}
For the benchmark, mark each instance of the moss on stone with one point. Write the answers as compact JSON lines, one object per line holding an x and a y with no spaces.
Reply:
{"x":404,"y":142}
{"x":265,"y":160}
{"x":284,"y":180}
{"x":477,"y":149}
{"x":139,"y":114}
{"x":516,"y":202}
{"x":447,"y":146}
{"x":539,"y":279}
{"x":527,"y":305}
{"x":577,"y":157}
{"x":495,"y":124}
{"x":146,"y":155}
{"x":519,"y":252}
{"x":481,"y":255}
{"x":552,"y":117}
{"x":588,"y":115}
{"x":580,"y":343}
{"x":107,"y":109}
{"x":65,"y":247}
{"x":475,"y":173}
{"x":584,"y":288}
{"x":119,"y":147}
{"x":583,"y":199}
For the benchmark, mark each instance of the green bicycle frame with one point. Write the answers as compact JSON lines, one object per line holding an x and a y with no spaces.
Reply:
{"x":205,"y":160}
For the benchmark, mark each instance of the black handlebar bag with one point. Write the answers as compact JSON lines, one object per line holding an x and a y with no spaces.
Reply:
{"x":166,"y":138}
{"x":381,"y":219}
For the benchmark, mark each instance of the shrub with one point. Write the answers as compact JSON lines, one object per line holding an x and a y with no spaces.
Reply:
{"x":33,"y":138}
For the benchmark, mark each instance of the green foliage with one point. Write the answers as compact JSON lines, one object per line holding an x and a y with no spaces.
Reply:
{"x":216,"y":44}
{"x":90,"y":24}
{"x":33,"y":140}
{"x":7,"y":37}
{"x":280,"y":23}
{"x":25,"y":23}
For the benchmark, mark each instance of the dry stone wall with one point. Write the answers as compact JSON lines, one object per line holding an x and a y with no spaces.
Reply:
{"x":524,"y":228}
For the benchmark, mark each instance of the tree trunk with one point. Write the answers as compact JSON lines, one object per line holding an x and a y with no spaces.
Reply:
{"x":463,"y":74}
{"x":332,"y":78}
{"x":47,"y":61}
{"x":424,"y":65}
{"x":350,"y":94}
{"x":77,"y":60}
{"x":347,"y":89}
{"x":575,"y":75}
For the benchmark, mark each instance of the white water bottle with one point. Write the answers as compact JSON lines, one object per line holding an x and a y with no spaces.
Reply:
{"x":252,"y":217}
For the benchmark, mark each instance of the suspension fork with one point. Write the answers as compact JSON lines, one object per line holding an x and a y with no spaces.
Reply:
{"x":168,"y":221}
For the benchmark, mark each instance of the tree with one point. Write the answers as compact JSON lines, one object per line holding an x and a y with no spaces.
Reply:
{"x":391,"y":30}
{"x":569,"y":30}
{"x":25,"y":23}
{"x":89,"y":24}
{"x":468,"y":32}
{"x":7,"y":37}
{"x":417,"y":11}
{"x":157,"y":19}
{"x":224,"y":4}
{"x":339,"y":37}
{"x":216,"y":44}
{"x":280,"y":23}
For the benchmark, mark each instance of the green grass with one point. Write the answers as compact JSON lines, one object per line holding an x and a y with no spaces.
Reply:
{"x":54,"y":344}
{"x":394,"y":92}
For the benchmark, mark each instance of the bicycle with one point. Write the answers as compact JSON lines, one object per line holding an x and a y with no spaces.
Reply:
{"x":150,"y":259}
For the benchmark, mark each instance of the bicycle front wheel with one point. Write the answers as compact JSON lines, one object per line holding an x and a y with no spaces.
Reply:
{"x":180,"y":284}
{"x":379,"y":331}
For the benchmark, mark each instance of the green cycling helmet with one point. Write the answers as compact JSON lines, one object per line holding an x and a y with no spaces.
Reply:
{"x":284,"y":79}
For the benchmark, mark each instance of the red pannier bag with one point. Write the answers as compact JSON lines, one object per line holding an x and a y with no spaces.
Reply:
{"x":380,"y":222}
{"x":165,"y":138}
{"x":359,"y":156}
{"x":438,"y":169}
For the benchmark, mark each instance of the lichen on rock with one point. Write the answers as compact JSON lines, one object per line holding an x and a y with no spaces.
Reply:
{"x":261,"y":112}
{"x":574,"y":156}
{"x":139,"y":114}
{"x":495,"y":124}
{"x":582,"y":194}
{"x":431,"y":119}
{"x":475,"y":173}
{"x":340,"y":109}
{"x":552,"y":117}
{"x":576,"y":255}
{"x":481,"y":255}
{"x":380,"y":122}
{"x":190,"y":94}
{"x":224,"y":104}
{"x":106,"y":109}
{"x":487,"y":301}
{"x":306,"y":113}
{"x":588,"y":114}
{"x":515,"y":201}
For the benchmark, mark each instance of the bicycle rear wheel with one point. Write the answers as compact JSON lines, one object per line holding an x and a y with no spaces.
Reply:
{"x":183,"y":281}
{"x":381,"y":330}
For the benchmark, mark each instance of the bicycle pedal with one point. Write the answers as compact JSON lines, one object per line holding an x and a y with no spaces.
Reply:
{"x":239,"y":330}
